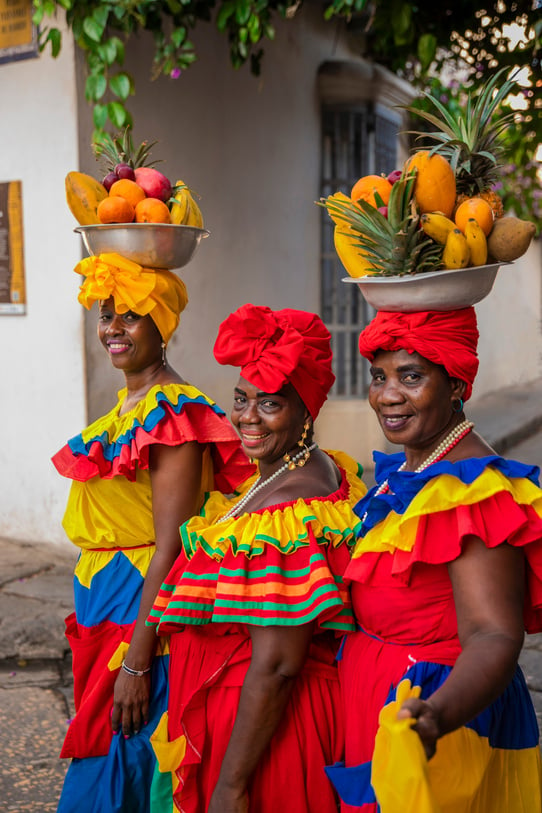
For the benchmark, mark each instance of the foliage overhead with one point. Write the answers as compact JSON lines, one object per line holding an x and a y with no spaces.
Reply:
{"x":407,"y":36}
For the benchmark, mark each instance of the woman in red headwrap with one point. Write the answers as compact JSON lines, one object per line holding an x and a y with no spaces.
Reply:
{"x":255,"y":603}
{"x":446,"y":574}
{"x":137,"y":473}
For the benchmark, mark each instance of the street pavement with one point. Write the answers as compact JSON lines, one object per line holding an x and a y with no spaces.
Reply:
{"x":35,"y":597}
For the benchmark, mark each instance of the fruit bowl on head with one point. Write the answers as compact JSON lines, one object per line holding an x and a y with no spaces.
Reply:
{"x":444,"y":290}
{"x":153,"y":245}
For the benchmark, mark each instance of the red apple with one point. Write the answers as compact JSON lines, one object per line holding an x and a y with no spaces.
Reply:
{"x":153,"y":183}
{"x":109,"y":180}
{"x":124,"y":172}
{"x":394,"y":176}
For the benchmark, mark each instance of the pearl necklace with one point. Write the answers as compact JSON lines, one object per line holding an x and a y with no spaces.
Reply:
{"x":445,"y":446}
{"x":259,"y":483}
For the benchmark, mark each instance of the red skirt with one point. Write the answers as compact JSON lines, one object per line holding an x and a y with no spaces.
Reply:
{"x":207,"y":669}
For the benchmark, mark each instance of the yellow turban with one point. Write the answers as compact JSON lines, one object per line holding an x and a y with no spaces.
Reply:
{"x":153,"y":291}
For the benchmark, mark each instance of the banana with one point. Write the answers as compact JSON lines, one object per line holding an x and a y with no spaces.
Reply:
{"x":83,"y":194}
{"x":477,"y":242}
{"x":437,"y":226}
{"x":179,"y":208}
{"x":456,"y":252}
{"x":184,"y":210}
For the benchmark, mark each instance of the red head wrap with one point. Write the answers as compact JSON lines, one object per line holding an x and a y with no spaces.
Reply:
{"x":276,"y":347}
{"x":448,"y":338}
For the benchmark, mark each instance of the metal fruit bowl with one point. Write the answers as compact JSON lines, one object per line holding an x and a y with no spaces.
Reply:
{"x":155,"y":245}
{"x":429,"y":291}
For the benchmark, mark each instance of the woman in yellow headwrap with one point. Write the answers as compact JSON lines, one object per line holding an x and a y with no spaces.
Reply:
{"x":137,"y":474}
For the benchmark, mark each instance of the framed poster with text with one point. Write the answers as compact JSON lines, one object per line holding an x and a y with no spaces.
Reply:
{"x":12,"y":275}
{"x":18,"y":34}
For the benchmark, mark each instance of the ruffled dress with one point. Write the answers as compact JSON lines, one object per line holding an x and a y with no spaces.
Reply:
{"x":109,"y":516}
{"x":281,"y":566}
{"x":404,"y":606}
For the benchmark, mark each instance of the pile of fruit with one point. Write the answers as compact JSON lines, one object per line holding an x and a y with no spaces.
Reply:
{"x":441,"y":209}
{"x":132,"y":191}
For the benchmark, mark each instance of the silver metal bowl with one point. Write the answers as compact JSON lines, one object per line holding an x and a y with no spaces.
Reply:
{"x":431,"y":291}
{"x":156,"y":245}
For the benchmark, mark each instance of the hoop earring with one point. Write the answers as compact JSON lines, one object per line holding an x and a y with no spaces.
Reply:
{"x":292,"y":464}
{"x":163,"y":346}
{"x":459,"y":407}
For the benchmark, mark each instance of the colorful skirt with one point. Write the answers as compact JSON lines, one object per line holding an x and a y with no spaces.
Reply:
{"x":491,"y":765}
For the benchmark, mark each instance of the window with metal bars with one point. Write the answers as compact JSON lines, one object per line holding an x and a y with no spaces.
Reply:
{"x":356,"y":141}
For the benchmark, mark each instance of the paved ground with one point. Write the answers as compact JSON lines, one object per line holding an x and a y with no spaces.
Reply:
{"x":35,"y":596}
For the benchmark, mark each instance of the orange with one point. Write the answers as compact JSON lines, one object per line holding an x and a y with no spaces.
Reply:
{"x":115,"y":209}
{"x":129,"y":190}
{"x":152,"y":210}
{"x":477,"y":208}
{"x":365,"y":189}
{"x":434,"y":190}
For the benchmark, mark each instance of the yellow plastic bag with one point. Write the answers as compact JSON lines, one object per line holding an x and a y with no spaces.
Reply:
{"x":399,"y":767}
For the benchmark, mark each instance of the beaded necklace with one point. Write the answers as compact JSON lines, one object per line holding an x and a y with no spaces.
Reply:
{"x":446,"y":445}
{"x":259,"y":483}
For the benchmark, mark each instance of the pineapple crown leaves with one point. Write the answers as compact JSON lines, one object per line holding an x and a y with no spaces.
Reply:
{"x":474,"y":133}
{"x":121,"y":149}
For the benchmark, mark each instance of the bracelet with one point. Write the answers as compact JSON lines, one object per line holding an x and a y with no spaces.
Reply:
{"x":135,"y":672}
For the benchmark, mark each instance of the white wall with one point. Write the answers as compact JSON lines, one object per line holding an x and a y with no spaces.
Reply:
{"x":41,"y":353}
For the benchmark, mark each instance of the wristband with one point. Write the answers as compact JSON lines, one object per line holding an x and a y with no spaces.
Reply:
{"x":134,"y":672}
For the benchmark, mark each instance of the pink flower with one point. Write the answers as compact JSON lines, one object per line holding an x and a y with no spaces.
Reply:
{"x":175,"y":73}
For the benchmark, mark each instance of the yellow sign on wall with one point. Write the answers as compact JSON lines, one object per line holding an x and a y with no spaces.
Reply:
{"x":12,"y":274}
{"x":18,"y":35}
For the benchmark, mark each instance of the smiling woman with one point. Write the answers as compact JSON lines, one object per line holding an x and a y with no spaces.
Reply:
{"x":445,"y":576}
{"x":255,"y":601}
{"x":138,"y":472}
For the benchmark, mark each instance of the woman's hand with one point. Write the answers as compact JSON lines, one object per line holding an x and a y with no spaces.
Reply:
{"x":130,"y":703}
{"x":228,"y":800}
{"x":427,"y":725}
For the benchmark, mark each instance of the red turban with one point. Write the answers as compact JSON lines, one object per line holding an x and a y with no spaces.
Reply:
{"x":448,"y":338}
{"x":276,"y":347}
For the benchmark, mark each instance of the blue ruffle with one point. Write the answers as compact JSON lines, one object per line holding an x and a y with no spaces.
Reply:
{"x":405,"y":485}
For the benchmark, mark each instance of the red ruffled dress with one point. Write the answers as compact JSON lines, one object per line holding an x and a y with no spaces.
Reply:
{"x":404,"y":605}
{"x":109,"y":517}
{"x":281,"y":566}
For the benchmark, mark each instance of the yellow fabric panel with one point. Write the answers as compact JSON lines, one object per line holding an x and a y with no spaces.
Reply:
{"x":464,"y":776}
{"x":110,"y":513}
{"x":169,"y":754}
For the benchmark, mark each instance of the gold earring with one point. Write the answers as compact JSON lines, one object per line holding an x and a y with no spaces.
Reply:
{"x":163,"y":346}
{"x":303,"y":438}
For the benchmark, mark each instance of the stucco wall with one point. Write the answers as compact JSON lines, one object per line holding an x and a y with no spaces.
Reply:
{"x":41,"y":353}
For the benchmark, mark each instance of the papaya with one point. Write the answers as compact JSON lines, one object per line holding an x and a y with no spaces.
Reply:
{"x":350,"y":254}
{"x":83,"y":194}
{"x":435,"y":189}
{"x":509,"y":238}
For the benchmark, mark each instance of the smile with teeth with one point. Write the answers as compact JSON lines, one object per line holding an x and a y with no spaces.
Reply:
{"x":117,"y":347}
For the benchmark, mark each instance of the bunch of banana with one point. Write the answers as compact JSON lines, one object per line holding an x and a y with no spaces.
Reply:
{"x":460,"y":249}
{"x":184,"y":209}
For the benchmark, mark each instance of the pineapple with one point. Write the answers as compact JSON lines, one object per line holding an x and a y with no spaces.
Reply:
{"x":121,"y":151}
{"x":470,"y":142}
{"x":394,"y":245}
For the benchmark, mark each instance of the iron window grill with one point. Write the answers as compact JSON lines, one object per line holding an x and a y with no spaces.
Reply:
{"x":355,"y":142}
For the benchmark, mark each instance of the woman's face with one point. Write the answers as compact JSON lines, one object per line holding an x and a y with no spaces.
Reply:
{"x":269,"y":424}
{"x":412,"y":398}
{"x":132,"y":341}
